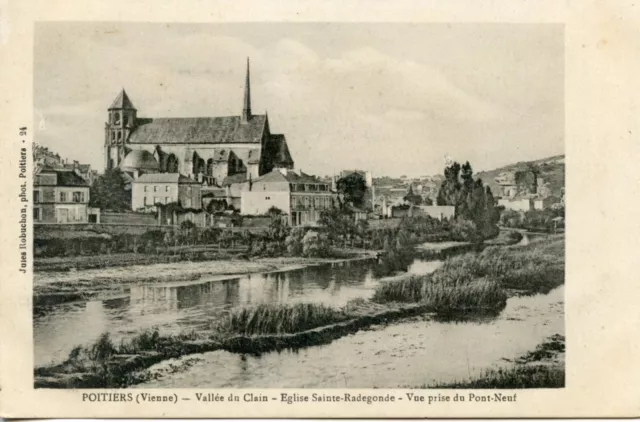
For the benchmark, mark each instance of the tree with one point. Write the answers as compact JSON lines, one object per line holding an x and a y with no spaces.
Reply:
{"x":274,"y":211}
{"x":108,"y":192}
{"x":353,"y":188}
{"x":412,"y":198}
{"x":473,"y":201}
{"x":450,"y":188}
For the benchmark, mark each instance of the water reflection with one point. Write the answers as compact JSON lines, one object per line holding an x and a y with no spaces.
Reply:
{"x":175,"y":307}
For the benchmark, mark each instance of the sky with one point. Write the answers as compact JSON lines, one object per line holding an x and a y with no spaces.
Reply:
{"x":394,"y":99}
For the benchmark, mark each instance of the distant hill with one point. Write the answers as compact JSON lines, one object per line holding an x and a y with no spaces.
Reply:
{"x":550,"y":170}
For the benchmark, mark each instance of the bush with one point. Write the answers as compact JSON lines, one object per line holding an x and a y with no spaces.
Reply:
{"x":293,"y":241}
{"x":463,"y":230}
{"x":315,"y":245}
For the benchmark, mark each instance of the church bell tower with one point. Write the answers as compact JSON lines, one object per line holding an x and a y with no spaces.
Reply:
{"x":122,"y":120}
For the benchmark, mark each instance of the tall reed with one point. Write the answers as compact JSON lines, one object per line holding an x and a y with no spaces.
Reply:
{"x":279,"y":318}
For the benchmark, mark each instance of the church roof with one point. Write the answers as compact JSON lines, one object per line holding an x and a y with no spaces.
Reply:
{"x":199,"y":130}
{"x":282,"y":154}
{"x":122,"y":101}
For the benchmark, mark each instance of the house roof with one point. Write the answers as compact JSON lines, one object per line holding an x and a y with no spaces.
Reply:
{"x":199,"y":130}
{"x":213,"y":192}
{"x":291,"y":177}
{"x":164,"y":178}
{"x":236,"y":178}
{"x":122,"y":101}
{"x":66,"y":177}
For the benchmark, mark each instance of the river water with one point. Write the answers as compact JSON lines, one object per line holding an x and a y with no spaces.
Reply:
{"x":412,"y":352}
{"x":174,"y":307}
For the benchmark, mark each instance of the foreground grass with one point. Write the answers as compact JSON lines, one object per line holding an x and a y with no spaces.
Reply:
{"x":540,"y":368}
{"x":107,"y":365}
{"x":538,"y":376}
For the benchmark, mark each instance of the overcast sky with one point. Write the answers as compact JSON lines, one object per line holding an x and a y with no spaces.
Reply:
{"x":390,"y":98}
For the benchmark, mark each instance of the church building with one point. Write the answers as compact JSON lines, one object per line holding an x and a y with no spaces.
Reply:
{"x":206,"y":149}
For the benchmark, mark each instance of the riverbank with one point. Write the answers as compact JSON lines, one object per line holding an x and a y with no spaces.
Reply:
{"x":275,"y":327}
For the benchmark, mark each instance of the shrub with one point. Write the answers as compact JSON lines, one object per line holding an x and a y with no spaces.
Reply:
{"x":463,"y":230}
{"x":315,"y":245}
{"x":293,"y":241}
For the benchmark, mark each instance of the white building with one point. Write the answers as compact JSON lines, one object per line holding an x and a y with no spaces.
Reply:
{"x":165,"y":188}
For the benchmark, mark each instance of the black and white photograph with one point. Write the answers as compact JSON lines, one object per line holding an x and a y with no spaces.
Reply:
{"x":314,"y":205}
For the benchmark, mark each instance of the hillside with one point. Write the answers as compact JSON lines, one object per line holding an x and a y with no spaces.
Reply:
{"x":550,"y":170}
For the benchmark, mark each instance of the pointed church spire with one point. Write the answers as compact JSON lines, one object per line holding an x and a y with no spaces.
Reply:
{"x":122,"y":101}
{"x":246,"y":109}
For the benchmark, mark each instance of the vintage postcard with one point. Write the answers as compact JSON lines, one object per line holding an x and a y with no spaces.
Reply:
{"x":261,"y":210}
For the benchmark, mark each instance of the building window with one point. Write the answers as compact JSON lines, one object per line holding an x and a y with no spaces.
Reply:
{"x":117,"y":118}
{"x":155,"y":189}
{"x":166,"y":200}
{"x":306,"y":201}
{"x":63,"y":196}
{"x":78,"y":196}
{"x":145,"y":188}
{"x":36,"y":214}
{"x":119,"y":135}
{"x":166,"y":188}
{"x":36,"y":196}
{"x":156,"y":200}
{"x":126,"y":120}
{"x":268,"y":198}
{"x":144,"y":201}
{"x":113,"y":136}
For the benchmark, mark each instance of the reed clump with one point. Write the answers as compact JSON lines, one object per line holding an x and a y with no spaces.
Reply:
{"x":476,"y":281}
{"x":444,"y":295}
{"x":279,"y":319}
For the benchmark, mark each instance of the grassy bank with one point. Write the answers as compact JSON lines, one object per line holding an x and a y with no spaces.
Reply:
{"x":476,"y":281}
{"x":540,"y":368}
{"x":538,"y":376}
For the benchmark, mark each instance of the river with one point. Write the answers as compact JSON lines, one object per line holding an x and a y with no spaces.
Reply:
{"x":416,"y":352}
{"x":412,"y":352}
{"x":175,"y":307}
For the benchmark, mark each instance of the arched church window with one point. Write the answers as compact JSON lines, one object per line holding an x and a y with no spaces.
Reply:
{"x":126,"y":120}
{"x":116,"y":118}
